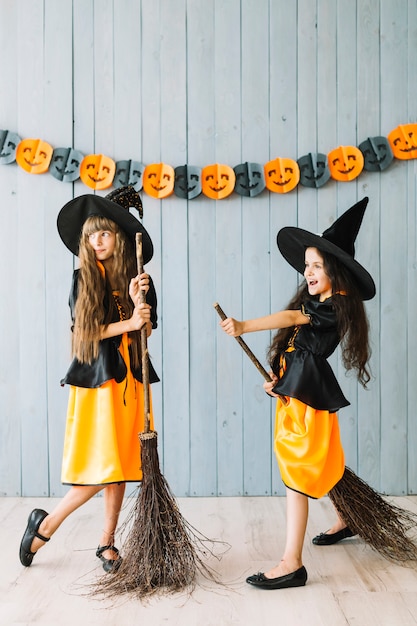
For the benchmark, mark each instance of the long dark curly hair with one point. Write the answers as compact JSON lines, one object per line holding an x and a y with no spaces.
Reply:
{"x":352,"y":320}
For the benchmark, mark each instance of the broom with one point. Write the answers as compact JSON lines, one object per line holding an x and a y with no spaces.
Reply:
{"x":162,"y":551}
{"x":245,"y":347}
{"x":379,"y":523}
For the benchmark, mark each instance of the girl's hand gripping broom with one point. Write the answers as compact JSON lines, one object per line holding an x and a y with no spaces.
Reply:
{"x":245,"y":347}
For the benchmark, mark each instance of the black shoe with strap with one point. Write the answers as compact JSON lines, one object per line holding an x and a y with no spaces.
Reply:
{"x":34,"y":521}
{"x":328,"y":540}
{"x":109,"y":565}
{"x":295,"y":579}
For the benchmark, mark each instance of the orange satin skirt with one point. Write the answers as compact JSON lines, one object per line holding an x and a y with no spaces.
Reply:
{"x":101,"y":443}
{"x":308,"y":448}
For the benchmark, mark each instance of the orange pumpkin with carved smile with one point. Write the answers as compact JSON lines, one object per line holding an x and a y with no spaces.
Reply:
{"x":345,"y":163}
{"x":158,"y":180}
{"x":218,"y":181}
{"x":34,"y":155}
{"x":403,"y":141}
{"x":97,"y":171}
{"x":281,"y":175}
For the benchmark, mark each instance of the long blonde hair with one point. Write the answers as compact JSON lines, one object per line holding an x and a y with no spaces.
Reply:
{"x":94,"y":290}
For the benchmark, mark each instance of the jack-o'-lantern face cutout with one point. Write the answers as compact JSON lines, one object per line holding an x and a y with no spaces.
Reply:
{"x":218,"y":181}
{"x":34,"y":155}
{"x":8,"y":144}
{"x":377,"y":154}
{"x":345,"y":163}
{"x":128,"y":173}
{"x":158,"y":180}
{"x":187,"y":183}
{"x":65,"y":164}
{"x":314,"y":171}
{"x":403,"y":141}
{"x":250,"y":180}
{"x":281,"y":175}
{"x":97,"y":171}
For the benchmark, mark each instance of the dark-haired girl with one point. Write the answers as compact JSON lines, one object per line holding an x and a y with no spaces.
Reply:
{"x":327,"y":310}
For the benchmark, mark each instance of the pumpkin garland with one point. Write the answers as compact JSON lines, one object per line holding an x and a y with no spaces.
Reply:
{"x":217,"y":180}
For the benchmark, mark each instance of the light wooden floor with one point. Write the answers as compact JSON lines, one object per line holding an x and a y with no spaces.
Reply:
{"x":348,"y":583}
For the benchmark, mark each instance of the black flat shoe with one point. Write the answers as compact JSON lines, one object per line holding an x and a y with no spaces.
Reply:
{"x":34,"y":521}
{"x":109,"y":565}
{"x":295,"y":579}
{"x":328,"y":540}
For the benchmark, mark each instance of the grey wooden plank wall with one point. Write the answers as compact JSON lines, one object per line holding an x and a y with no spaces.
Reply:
{"x":198,"y":82}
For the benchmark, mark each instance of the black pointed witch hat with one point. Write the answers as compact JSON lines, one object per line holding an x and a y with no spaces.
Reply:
{"x":115,"y":206}
{"x":338,"y":239}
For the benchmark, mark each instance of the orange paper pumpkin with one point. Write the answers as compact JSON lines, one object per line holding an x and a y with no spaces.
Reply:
{"x":218,"y":181}
{"x":281,"y":175}
{"x":403,"y":141}
{"x":34,"y":155}
{"x":97,"y":171}
{"x":158,"y":180}
{"x":345,"y":163}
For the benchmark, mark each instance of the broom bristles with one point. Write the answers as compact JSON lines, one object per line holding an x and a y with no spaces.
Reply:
{"x":162,"y":552}
{"x":379,"y":523}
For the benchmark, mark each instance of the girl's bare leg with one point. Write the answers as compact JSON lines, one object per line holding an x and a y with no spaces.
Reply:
{"x":297,"y":514}
{"x":337,"y":526}
{"x":113,"y":499}
{"x":73,"y":499}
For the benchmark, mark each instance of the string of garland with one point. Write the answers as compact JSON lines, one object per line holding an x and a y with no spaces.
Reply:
{"x":216,"y":181}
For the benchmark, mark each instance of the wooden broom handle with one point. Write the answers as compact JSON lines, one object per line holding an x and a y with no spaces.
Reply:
{"x":245,"y":347}
{"x":143,"y":341}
